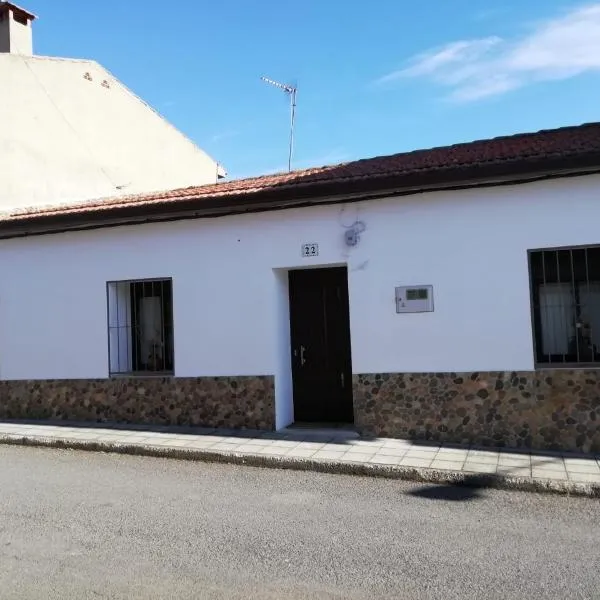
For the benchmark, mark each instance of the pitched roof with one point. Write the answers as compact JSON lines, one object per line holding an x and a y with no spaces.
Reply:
{"x":545,"y":153}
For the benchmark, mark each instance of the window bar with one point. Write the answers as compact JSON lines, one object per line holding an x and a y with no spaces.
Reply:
{"x":561,"y":309}
{"x":147,"y":362}
{"x":134,"y":326}
{"x":540,"y":305}
{"x":155,"y":348}
{"x":128,"y":329}
{"x":587,"y":282}
{"x":155,"y":344}
{"x":160,"y":366}
{"x":122,"y":331}
{"x":576,"y":300}
{"x":148,"y":288}
{"x":163,"y":329}
{"x":118,"y":328}
{"x":163,"y":321}
{"x":109,"y":317}
{"x":571,"y":301}
{"x":161,"y":285}
{"x":163,"y":325}
{"x":135,"y":353}
{"x":139,"y":291}
{"x":167,"y":325}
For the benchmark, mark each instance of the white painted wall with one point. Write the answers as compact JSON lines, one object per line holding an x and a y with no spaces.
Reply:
{"x":284,"y":406}
{"x":66,"y":138}
{"x":229,"y":283}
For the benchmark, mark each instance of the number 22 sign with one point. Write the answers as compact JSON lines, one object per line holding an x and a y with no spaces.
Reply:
{"x":309,"y":250}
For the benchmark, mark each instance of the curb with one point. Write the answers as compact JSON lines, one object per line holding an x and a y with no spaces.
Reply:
{"x":421,"y":475}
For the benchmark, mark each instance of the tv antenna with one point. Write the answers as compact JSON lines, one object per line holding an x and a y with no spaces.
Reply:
{"x":291,"y":90}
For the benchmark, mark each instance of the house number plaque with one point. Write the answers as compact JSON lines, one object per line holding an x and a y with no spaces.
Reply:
{"x":309,"y":250}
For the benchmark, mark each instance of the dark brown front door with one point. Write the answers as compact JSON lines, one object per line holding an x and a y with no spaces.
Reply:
{"x":320,"y":336}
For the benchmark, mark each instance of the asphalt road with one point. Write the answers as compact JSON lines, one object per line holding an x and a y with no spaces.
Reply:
{"x":77,"y":525}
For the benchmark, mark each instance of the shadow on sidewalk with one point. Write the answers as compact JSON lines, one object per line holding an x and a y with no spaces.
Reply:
{"x":338,"y":434}
{"x":464,"y":491}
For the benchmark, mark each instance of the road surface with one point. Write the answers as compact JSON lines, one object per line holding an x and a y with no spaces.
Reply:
{"x":78,"y":525}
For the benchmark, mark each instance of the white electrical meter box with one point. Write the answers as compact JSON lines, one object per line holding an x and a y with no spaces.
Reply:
{"x":414,"y":299}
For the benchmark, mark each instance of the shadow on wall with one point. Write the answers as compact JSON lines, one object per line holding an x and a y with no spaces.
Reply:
{"x":464,"y":491}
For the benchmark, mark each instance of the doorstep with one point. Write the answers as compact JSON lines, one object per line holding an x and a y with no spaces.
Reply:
{"x":326,"y":450}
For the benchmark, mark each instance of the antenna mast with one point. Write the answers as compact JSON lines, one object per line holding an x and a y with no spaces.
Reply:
{"x":291,"y":91}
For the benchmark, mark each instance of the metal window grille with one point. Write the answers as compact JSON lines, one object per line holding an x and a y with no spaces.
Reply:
{"x":565,"y":294}
{"x":140,"y":327}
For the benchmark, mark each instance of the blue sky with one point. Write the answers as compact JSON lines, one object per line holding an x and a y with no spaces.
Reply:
{"x":374,"y":78}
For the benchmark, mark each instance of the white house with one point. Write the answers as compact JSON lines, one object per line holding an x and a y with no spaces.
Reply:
{"x":71,"y":131}
{"x":448,"y":294}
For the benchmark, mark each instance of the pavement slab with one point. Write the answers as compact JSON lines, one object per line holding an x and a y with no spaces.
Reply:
{"x":331,"y":451}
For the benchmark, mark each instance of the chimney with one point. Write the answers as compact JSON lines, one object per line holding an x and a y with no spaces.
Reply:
{"x":15,"y":29}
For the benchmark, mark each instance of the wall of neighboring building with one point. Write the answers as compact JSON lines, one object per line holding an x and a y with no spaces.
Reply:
{"x":17,"y":35}
{"x":4,"y":34}
{"x":230,"y":293}
{"x":74,"y":132}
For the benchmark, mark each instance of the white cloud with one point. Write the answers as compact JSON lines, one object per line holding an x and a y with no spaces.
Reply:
{"x":486,"y":14}
{"x":472,"y":69}
{"x":224,"y":135}
{"x":451,"y":55}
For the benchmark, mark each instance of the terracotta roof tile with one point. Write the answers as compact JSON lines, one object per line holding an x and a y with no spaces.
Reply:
{"x":577,"y":141}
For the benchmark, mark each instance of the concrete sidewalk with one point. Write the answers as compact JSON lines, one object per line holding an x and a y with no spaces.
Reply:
{"x":334,"y":451}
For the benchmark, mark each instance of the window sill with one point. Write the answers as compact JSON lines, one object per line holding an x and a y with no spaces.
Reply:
{"x":566,"y":366}
{"x":142,"y":375}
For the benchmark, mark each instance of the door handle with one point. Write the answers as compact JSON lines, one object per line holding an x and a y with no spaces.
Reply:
{"x":302,"y":359}
{"x":342,"y":378}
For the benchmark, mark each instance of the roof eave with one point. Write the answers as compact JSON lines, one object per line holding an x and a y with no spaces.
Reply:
{"x":18,"y":10}
{"x":277,"y":198}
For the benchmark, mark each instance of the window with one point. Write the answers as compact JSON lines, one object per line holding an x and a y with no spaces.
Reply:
{"x":140,"y":327}
{"x":565,"y":290}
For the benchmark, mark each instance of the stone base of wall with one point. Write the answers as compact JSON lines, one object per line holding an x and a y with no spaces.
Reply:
{"x":548,"y":409}
{"x":234,"y":402}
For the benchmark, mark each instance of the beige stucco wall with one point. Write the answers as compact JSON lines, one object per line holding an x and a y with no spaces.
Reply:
{"x":67,"y":137}
{"x":15,"y":37}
